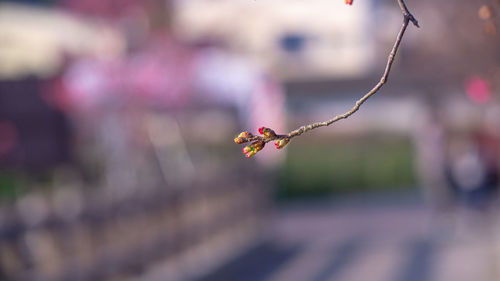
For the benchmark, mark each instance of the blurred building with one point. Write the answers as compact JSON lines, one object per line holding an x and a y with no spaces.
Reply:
{"x":295,"y":39}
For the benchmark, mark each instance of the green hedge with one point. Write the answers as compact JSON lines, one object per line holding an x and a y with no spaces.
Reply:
{"x":344,"y":166}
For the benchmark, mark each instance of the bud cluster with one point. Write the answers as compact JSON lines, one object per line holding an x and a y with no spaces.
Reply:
{"x":260,"y":141}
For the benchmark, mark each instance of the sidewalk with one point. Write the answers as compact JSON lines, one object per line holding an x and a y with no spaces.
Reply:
{"x":376,"y":240}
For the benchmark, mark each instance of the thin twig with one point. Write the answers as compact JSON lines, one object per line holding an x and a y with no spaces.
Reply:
{"x":407,"y":17}
{"x":268,"y":134}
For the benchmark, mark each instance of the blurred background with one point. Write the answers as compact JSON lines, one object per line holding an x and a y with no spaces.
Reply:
{"x":117,"y":159}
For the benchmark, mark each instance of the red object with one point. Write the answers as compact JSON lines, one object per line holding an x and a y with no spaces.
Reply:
{"x":478,"y":89}
{"x":261,"y":130}
{"x":348,"y":2}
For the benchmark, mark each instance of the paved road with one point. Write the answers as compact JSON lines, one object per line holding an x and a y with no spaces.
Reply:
{"x":360,"y":240}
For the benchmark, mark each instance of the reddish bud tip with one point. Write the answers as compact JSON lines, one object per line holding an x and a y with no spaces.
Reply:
{"x":247,"y":149}
{"x":281,"y":143}
{"x":348,"y":2}
{"x":261,"y":130}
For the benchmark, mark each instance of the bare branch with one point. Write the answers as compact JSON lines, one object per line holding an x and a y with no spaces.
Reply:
{"x":406,"y":13}
{"x":258,"y":140}
{"x":407,"y":17}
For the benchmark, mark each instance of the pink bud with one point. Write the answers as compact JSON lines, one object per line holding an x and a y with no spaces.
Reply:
{"x":247,"y":149}
{"x":281,"y":143}
{"x":261,"y":130}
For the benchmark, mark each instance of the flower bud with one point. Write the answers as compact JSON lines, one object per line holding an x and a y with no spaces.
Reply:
{"x":250,"y":154}
{"x":258,"y":145}
{"x":247,"y":149}
{"x":267,"y":132}
{"x":281,"y":143}
{"x":245,"y":135}
{"x":348,"y":2}
{"x":242,"y":137}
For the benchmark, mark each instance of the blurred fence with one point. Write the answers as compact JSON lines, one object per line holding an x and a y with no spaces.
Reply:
{"x":166,"y":227}
{"x":187,"y":230}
